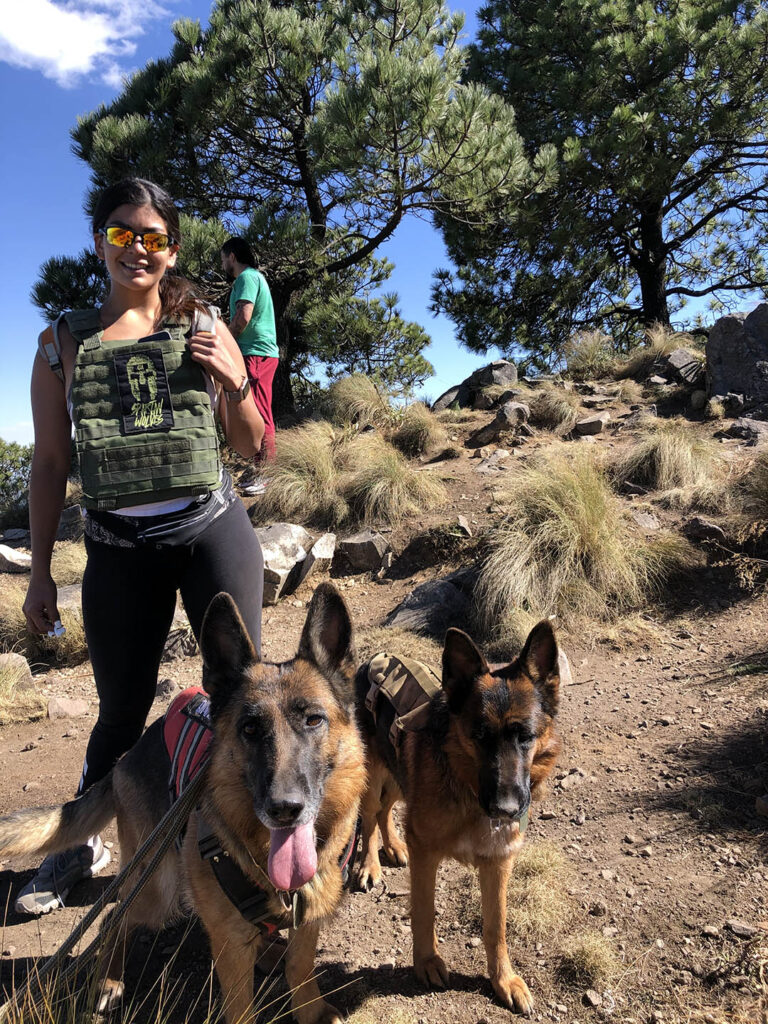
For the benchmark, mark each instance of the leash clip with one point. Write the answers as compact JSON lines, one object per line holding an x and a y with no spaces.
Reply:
{"x":496,"y":824}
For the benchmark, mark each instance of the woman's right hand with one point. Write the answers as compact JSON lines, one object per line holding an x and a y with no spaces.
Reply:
{"x":40,"y":608}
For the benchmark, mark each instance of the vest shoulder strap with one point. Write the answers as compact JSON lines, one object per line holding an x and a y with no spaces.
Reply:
{"x":84,"y":325}
{"x":51,"y":350}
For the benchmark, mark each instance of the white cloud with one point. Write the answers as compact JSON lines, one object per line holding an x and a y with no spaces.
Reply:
{"x":67,"y":41}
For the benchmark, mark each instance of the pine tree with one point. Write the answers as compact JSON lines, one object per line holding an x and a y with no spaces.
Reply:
{"x":659,"y":114}
{"x":313,"y":128}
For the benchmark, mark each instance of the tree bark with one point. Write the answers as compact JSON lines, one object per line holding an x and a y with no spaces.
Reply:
{"x":651,"y":268}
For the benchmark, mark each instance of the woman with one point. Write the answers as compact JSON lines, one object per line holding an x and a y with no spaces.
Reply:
{"x":139,"y":379}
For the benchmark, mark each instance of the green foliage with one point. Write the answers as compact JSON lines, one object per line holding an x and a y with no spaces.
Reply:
{"x":659,"y":115}
{"x":15,"y":466}
{"x":313,"y":129}
{"x":70,"y":282}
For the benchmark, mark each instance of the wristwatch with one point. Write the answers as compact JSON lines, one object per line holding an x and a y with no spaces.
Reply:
{"x":242,"y":392}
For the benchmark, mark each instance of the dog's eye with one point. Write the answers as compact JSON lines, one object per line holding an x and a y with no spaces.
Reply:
{"x":314,"y":721}
{"x":249,"y":728}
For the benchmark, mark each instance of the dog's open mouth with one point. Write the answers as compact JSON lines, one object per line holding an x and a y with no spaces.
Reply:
{"x":292,"y":856}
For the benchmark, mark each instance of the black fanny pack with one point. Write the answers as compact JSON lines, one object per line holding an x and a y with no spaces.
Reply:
{"x":173,"y":528}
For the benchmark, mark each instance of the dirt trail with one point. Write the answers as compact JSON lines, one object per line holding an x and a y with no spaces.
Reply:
{"x":653,"y":808}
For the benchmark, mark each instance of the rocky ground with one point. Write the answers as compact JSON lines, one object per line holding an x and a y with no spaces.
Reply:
{"x":654,"y":811}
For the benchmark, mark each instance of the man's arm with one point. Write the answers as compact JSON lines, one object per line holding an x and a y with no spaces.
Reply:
{"x":241,"y":319}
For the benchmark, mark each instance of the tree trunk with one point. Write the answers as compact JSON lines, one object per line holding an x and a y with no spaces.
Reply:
{"x":652,"y":268}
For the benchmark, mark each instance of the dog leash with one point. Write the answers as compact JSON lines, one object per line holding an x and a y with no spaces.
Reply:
{"x":163,"y":836}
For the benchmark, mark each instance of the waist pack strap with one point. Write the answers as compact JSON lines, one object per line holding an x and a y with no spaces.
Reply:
{"x":408,"y":685}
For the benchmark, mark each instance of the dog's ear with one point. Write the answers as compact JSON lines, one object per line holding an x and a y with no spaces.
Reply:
{"x":462,"y":664}
{"x":327,"y":640}
{"x":225,"y":646}
{"x":540,"y":660}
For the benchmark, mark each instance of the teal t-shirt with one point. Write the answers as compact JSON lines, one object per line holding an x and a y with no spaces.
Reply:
{"x":259,"y":337}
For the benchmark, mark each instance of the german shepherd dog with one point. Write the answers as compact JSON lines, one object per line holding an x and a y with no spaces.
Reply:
{"x":284,"y":781}
{"x":467,"y":779}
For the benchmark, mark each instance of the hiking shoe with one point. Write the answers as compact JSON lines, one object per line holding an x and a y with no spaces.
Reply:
{"x":253,"y":490}
{"x":58,"y":873}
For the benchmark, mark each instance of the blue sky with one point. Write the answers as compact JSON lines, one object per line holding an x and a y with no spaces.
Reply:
{"x":60,"y":60}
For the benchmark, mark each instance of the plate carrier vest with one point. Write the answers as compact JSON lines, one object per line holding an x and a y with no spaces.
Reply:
{"x":144,"y":425}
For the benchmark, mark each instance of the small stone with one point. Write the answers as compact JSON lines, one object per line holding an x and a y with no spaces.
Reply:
{"x":607,"y":875}
{"x":707,"y":726}
{"x":610,"y":932}
{"x":646,"y":520}
{"x":67,"y":707}
{"x":548,"y":815}
{"x":464,"y":526}
{"x":629,"y":838}
{"x":475,"y":941}
{"x":30,"y":785}
{"x":592,"y":998}
{"x":9,"y":951}
{"x":740,"y":928}
{"x":667,"y":720}
{"x":29,"y":746}
{"x":561,"y":1008}
{"x":599,"y":908}
{"x":645,"y":851}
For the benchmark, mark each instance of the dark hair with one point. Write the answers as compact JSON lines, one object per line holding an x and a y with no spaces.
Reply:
{"x":177,"y":294}
{"x":241,"y":250}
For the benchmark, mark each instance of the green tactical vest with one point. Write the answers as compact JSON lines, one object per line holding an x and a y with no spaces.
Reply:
{"x":144,"y":426}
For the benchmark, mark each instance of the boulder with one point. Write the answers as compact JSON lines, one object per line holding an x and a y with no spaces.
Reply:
{"x":320,"y":556}
{"x":697,"y":528}
{"x":645,"y":520}
{"x":284,"y":546}
{"x":500,"y":371}
{"x":365,"y":551}
{"x":737,"y":356}
{"x":437,"y":605}
{"x":683,"y":366}
{"x":70,"y":523}
{"x":14,"y":561}
{"x":15,"y":538}
{"x":17,"y":667}
{"x":751,"y":431}
{"x":592,"y":424}
{"x":510,"y":416}
{"x":698,"y":400}
{"x":67,"y":707}
{"x":493,"y":464}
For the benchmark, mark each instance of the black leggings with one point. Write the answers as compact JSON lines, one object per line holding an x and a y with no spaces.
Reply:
{"x":129,"y":597}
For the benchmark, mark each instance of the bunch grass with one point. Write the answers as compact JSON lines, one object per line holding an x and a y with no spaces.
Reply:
{"x":669,"y":456}
{"x":565,"y":548}
{"x":383,"y":488}
{"x":589,"y":355}
{"x":357,"y":400}
{"x":554,"y":409}
{"x":419,"y":431}
{"x":588,"y":960}
{"x":660,"y":340}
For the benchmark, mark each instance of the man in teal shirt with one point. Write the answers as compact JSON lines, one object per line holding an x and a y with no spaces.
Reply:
{"x":252,"y":322}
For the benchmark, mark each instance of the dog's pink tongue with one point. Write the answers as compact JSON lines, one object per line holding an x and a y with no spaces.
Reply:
{"x":292,"y":856}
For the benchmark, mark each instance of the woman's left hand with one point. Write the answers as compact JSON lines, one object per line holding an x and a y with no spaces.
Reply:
{"x":216,"y":356}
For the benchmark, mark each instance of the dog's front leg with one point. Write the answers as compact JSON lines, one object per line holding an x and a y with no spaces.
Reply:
{"x":508,"y":986}
{"x":308,"y":1005}
{"x":427,"y":963}
{"x":234,"y":952}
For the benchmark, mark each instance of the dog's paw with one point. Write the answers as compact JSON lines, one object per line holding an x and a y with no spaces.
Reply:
{"x":431,"y":971}
{"x":397,"y":854}
{"x":368,"y":875}
{"x":319,"y":1013}
{"x":514,"y":993}
{"x":110,"y":996}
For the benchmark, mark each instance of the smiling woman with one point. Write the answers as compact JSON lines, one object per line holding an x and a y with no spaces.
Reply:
{"x":141,"y":379}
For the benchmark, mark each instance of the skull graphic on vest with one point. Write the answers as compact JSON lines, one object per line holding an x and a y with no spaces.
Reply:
{"x":144,"y":391}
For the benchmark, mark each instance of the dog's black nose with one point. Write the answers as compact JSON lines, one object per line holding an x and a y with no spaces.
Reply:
{"x":285,"y":811}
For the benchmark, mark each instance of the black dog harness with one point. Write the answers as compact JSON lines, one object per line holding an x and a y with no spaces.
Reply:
{"x":188,"y":732}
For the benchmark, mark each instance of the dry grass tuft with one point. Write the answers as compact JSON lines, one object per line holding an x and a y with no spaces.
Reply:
{"x":670,"y":455}
{"x":419,"y":431}
{"x":630,"y":392}
{"x":589,"y":354}
{"x":68,"y":562}
{"x":383,"y":488}
{"x":356,"y":400}
{"x":714,"y":409}
{"x":304,"y":478}
{"x":588,"y":960}
{"x":454,"y":416}
{"x":565,"y":548}
{"x":660,"y":341}
{"x":399,"y":641}
{"x":537,"y":899}
{"x":555,"y":409}
{"x":18,"y":703}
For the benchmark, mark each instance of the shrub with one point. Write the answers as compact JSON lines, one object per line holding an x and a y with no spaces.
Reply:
{"x":565,"y":548}
{"x":589,"y":354}
{"x":303,"y":480}
{"x":670,"y":455}
{"x":356,"y":400}
{"x":555,"y":409}
{"x":588,"y":960}
{"x":630,"y":391}
{"x":419,"y":431}
{"x":70,"y":649}
{"x":18,"y":703}
{"x":15,"y":466}
{"x":382,"y":487}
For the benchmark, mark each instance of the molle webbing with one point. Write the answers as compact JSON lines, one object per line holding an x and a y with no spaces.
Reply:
{"x":144,"y":426}
{"x":400,"y":693}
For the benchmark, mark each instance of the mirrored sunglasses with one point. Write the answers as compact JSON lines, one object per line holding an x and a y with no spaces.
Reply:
{"x":153,"y":241}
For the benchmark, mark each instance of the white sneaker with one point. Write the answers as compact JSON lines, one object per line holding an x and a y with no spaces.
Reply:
{"x":254,"y":489}
{"x":58,"y":873}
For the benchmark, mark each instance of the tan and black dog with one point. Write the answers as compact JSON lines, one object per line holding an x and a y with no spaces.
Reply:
{"x":467,"y":777}
{"x":282,"y":792}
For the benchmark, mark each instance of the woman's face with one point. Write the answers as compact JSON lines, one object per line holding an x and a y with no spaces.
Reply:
{"x":133,"y":267}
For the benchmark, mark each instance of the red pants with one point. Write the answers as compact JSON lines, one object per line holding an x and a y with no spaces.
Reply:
{"x":261,"y":373}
